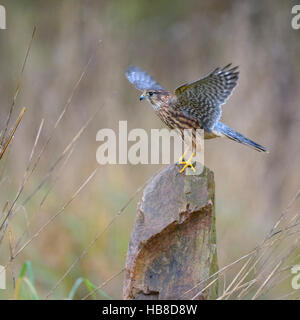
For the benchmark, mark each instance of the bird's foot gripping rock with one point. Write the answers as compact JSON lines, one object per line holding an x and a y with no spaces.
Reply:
{"x":187,"y":163}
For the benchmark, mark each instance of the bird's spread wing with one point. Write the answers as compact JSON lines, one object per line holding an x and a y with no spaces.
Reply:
{"x":203,"y":98}
{"x":141,"y":79}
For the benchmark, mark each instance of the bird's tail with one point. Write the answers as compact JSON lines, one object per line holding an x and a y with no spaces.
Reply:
{"x":222,"y":129}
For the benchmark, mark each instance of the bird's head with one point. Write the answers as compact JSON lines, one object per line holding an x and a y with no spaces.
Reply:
{"x":155,"y":97}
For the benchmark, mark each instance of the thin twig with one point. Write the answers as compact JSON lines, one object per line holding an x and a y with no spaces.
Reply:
{"x":103,"y":284}
{"x":11,"y":245}
{"x":266,"y":281}
{"x":17,"y":88}
{"x":229,"y":293}
{"x":85,"y":251}
{"x":58,"y":160}
{"x":18,"y":242}
{"x":67,"y":104}
{"x":24,"y":180}
{"x":55,"y":215}
{"x":12,"y":133}
{"x":205,"y":288}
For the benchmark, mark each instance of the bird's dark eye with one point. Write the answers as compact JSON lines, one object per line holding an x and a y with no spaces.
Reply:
{"x":150,"y":93}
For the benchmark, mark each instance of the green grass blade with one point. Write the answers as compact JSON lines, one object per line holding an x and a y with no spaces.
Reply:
{"x":89,"y":285}
{"x":31,"y":288}
{"x":23,"y":270}
{"x":27,"y":267}
{"x":74,"y":288}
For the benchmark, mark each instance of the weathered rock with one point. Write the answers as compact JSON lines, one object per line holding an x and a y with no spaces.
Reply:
{"x":173,"y":244}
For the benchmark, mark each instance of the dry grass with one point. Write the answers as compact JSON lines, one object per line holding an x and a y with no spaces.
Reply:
{"x":266,"y":270}
{"x":6,"y":217}
{"x":17,"y":246}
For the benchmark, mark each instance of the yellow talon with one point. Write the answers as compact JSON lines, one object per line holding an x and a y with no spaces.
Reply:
{"x":187,"y":163}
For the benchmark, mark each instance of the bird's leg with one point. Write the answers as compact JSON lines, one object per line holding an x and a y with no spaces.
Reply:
{"x":182,"y":157}
{"x":187,"y":163}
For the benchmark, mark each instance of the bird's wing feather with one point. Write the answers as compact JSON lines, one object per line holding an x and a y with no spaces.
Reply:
{"x":141,"y":79}
{"x":204,"y":97}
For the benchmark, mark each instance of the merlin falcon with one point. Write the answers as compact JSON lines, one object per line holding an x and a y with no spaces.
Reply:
{"x":194,"y":105}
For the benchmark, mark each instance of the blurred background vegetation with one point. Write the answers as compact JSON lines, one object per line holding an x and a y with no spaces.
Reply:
{"x":176,"y":41}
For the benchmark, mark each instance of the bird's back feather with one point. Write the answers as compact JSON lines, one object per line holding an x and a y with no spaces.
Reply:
{"x":203,"y":98}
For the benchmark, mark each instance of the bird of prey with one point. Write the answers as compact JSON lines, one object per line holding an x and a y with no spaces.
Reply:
{"x":194,"y":105}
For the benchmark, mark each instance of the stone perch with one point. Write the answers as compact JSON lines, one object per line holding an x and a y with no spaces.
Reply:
{"x":173,"y":243}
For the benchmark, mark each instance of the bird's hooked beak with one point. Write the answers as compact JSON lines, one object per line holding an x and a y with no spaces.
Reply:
{"x":142,"y":97}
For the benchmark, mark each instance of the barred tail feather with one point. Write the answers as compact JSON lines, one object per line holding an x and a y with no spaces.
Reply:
{"x":222,"y":129}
